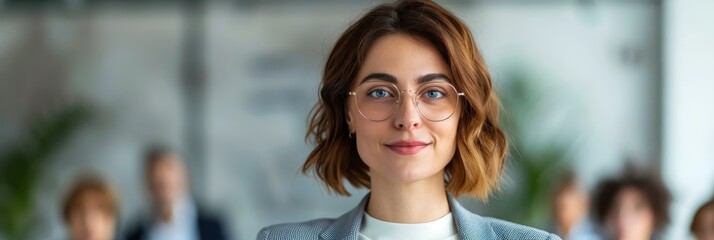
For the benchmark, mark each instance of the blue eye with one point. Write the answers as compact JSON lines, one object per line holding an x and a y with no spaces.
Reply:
{"x":433,"y":94}
{"x":379,"y":93}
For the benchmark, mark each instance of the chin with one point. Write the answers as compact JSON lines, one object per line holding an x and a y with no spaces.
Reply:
{"x":405,"y":169}
{"x":411,"y":174}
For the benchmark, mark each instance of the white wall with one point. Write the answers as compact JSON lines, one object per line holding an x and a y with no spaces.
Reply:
{"x":595,"y":98}
{"x":689,"y":112}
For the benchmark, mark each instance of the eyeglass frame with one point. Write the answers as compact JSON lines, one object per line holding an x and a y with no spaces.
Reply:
{"x":399,"y":101}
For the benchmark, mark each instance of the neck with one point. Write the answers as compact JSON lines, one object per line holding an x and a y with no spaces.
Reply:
{"x":165,"y":214}
{"x":564,"y":229}
{"x":417,"y":202}
{"x":167,"y":210}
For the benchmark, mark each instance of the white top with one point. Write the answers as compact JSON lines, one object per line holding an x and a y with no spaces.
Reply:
{"x":439,"y":229}
{"x":182,"y":226}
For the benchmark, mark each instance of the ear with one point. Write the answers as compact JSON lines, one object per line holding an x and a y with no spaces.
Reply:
{"x":348,"y":115}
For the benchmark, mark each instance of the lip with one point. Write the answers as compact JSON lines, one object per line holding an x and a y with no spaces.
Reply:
{"x":407,"y":147}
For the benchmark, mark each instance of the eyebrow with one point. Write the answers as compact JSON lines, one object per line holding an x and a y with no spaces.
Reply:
{"x":391,"y":79}
{"x":432,"y":77}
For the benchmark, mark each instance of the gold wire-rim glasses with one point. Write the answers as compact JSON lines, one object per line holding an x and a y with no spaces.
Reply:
{"x":396,"y":104}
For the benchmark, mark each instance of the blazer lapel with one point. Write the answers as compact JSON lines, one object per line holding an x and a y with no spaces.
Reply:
{"x":347,"y":226}
{"x":469,"y":225}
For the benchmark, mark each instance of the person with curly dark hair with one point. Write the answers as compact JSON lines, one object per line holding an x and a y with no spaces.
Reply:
{"x":631,"y":207}
{"x":703,"y":221}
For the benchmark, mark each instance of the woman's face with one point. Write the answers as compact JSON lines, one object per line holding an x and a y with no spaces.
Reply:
{"x":406,"y":147}
{"x":631,"y":216}
{"x":89,"y":220}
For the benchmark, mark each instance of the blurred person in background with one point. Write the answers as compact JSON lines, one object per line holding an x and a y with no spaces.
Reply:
{"x":90,"y":209}
{"x":633,"y":206}
{"x":570,"y":210}
{"x":407,"y":109}
{"x":703,"y":222}
{"x":174,"y":215}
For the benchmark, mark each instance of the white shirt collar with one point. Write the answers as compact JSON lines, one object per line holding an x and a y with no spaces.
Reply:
{"x":183,"y":226}
{"x":442,"y":228}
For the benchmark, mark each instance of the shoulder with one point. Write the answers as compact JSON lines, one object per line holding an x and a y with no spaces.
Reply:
{"x":301,"y":230}
{"x":210,"y":226}
{"x":345,"y":226}
{"x":508,"y":230}
{"x":474,"y":226}
{"x":206,"y":217}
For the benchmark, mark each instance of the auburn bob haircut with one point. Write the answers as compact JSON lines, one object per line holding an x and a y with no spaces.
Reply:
{"x":481,"y":145}
{"x":90,"y":186}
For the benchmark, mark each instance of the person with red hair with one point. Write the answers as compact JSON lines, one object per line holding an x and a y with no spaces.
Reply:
{"x":90,"y":209}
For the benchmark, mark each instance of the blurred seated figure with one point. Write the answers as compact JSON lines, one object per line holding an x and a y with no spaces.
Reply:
{"x":570,"y":210}
{"x":633,"y":206}
{"x":703,"y":222}
{"x":174,"y":215}
{"x":90,"y":210}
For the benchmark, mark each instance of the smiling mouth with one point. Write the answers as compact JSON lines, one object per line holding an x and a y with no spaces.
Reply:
{"x":407,"y":148}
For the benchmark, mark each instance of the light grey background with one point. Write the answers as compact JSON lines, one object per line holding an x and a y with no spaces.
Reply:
{"x":598,"y":62}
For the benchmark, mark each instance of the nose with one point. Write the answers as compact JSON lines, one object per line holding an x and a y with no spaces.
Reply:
{"x":407,"y":115}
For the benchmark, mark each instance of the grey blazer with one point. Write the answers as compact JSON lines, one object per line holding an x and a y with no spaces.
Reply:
{"x":347,"y":226}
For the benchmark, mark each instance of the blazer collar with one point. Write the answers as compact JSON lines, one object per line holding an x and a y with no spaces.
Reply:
{"x":468,"y":224}
{"x":347,"y":226}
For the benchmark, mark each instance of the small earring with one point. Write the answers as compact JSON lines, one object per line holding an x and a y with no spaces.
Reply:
{"x":351,"y":135}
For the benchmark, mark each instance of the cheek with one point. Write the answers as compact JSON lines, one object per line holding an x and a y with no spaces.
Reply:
{"x":75,"y":224}
{"x":369,"y":137}
{"x":445,"y":134}
{"x":81,"y":225}
{"x":637,"y":221}
{"x":102,"y":225}
{"x":648,"y":218}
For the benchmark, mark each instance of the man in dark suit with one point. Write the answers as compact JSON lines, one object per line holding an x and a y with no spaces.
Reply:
{"x":174,"y":215}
